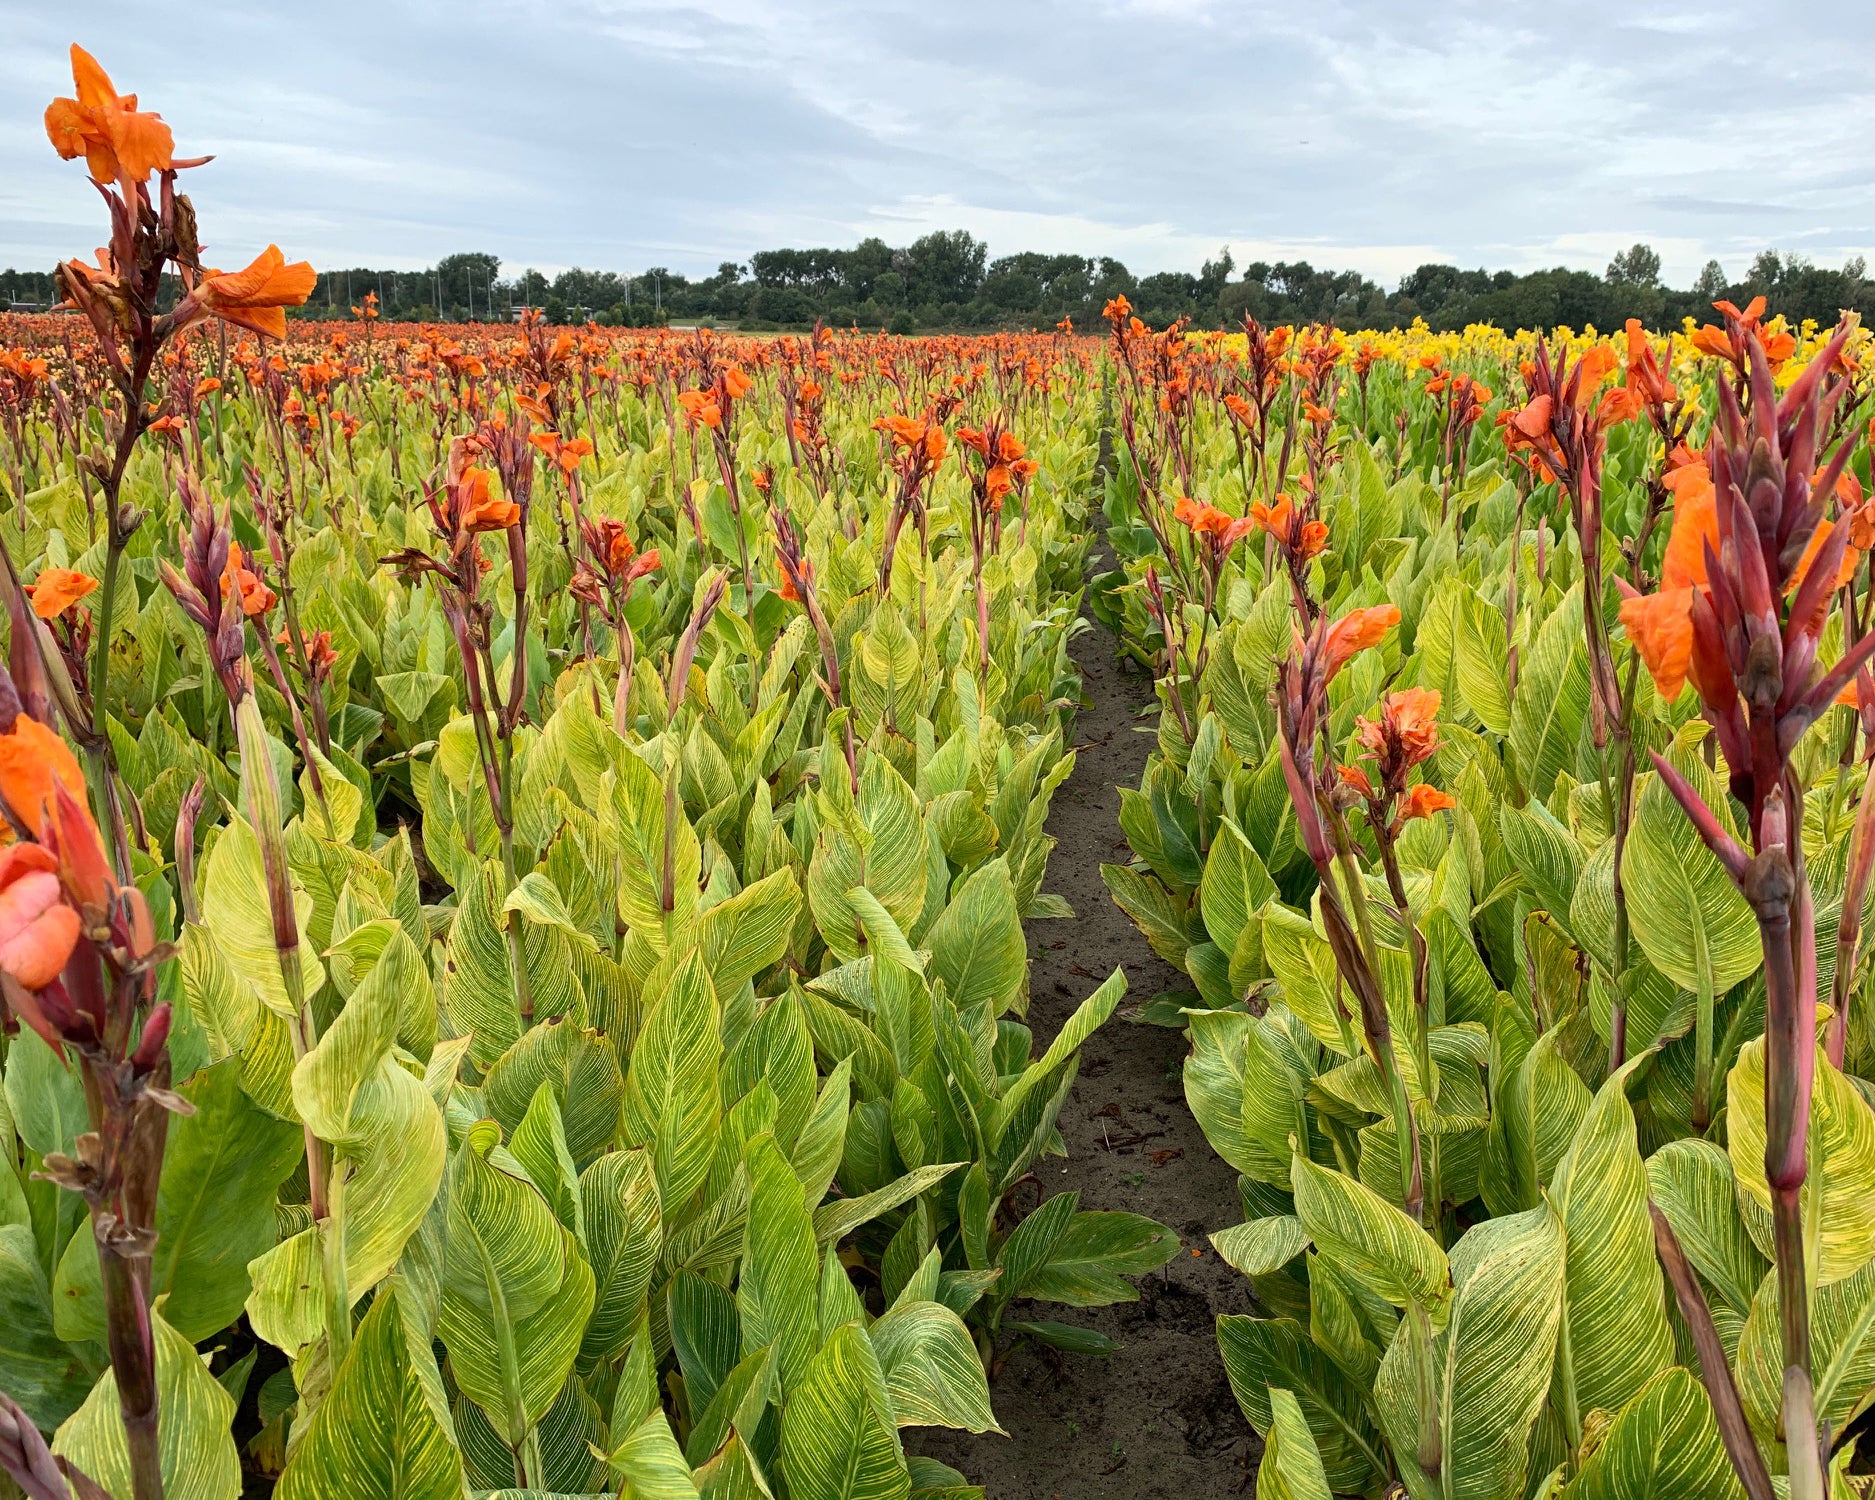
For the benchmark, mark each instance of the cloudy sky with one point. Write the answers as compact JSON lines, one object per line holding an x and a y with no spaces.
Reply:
{"x":621,"y":134}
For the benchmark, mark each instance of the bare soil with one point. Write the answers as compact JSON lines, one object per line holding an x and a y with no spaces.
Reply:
{"x":1157,"y":1418}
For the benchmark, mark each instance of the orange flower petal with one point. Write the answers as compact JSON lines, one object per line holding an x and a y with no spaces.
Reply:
{"x":1660,"y":627}
{"x":33,"y":760}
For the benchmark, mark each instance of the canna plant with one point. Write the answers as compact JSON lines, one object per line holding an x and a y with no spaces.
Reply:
{"x":1582,"y":1278}
{"x":575,"y":1100}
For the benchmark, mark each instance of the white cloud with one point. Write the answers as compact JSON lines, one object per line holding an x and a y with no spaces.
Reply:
{"x":624,"y":133}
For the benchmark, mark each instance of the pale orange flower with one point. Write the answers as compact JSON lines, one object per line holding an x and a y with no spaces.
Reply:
{"x":1660,"y":627}
{"x":34,"y":763}
{"x":1356,"y":631}
{"x":58,"y":589}
{"x":38,"y":930}
{"x":1423,"y":800}
{"x":119,"y":142}
{"x":257,"y":297}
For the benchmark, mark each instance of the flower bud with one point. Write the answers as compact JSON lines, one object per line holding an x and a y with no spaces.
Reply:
{"x":153,"y":1041}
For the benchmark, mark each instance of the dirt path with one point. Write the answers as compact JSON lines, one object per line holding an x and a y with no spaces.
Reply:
{"x":1156,"y":1419}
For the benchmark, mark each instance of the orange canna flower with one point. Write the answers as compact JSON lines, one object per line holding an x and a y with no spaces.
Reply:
{"x":1532,"y":422}
{"x":38,"y":930}
{"x":119,"y":142}
{"x":34,"y":763}
{"x":699,"y":409}
{"x":1695,"y":523}
{"x":1355,"y":777}
{"x":1850,"y":560}
{"x":1619,"y":404}
{"x":58,"y":589}
{"x":1660,"y":626}
{"x":257,"y":297}
{"x":736,"y":383}
{"x":568,"y":455}
{"x":1423,"y":800}
{"x":238,"y":577}
{"x":1409,"y":717}
{"x":1356,"y":631}
{"x":1644,"y":375}
{"x":481,"y":508}
{"x":1712,"y":340}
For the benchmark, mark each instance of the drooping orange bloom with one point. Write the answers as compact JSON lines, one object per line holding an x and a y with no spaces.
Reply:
{"x":1851,"y":559}
{"x":119,"y":142}
{"x":1409,"y":721}
{"x":1356,"y":631}
{"x":1423,"y":800}
{"x":1644,"y":375}
{"x":699,"y":409}
{"x":1695,"y":525}
{"x":240,"y":579}
{"x":736,"y":383}
{"x":1597,"y":363}
{"x":920,"y":434}
{"x":1279,"y":521}
{"x":34,"y":763}
{"x":1355,"y":777}
{"x":1716,"y":341}
{"x":1660,"y":626}
{"x":38,"y":930}
{"x":320,"y":657}
{"x":1222,"y":529}
{"x":58,"y":589}
{"x":481,"y":509}
{"x":1618,"y":404}
{"x":258,"y":296}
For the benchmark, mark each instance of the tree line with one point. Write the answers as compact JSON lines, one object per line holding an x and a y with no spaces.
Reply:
{"x":946,"y":280}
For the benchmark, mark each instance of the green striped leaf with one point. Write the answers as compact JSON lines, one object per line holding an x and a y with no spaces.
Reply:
{"x":195,"y":1413}
{"x":1615,"y":1335}
{"x":624,"y":1233}
{"x":671,"y":1101}
{"x":1839,"y":1189}
{"x":1691,"y":1182}
{"x":1291,"y":1467}
{"x":1371,"y":1240}
{"x":235,"y":911}
{"x":878,"y":842}
{"x":383,"y":1431}
{"x":1265,"y":1354}
{"x":777,"y":1297}
{"x":1262,"y":1245}
{"x":977,"y":945}
{"x":1687,"y":915}
{"x":516,"y":1291}
{"x":1663,"y":1445}
{"x":837,"y":1437}
{"x":933,"y":1373}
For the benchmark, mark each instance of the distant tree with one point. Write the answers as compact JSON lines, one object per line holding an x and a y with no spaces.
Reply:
{"x":1767,"y":269}
{"x":1638,"y":265}
{"x":1711,"y":283}
{"x":1214,"y":274}
{"x":945,"y":266}
{"x":466,"y":280}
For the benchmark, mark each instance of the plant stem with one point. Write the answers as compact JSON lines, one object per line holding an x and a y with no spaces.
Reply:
{"x":1715,"y":1368}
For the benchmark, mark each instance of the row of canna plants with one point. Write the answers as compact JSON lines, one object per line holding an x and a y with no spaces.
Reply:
{"x":520,"y":987}
{"x":1528,"y":995}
